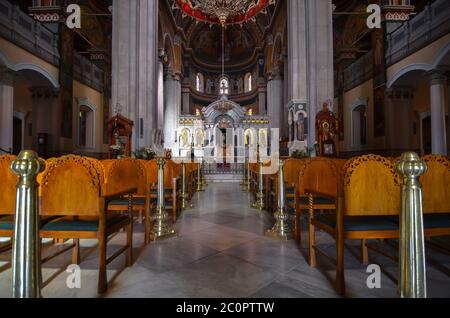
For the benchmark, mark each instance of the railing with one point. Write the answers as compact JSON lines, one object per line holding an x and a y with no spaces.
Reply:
{"x":224,"y":168}
{"x":87,"y":72}
{"x":426,"y":27}
{"x":358,"y":72}
{"x":22,"y":30}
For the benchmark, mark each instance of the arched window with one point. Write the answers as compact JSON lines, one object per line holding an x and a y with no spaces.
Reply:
{"x":224,"y":86}
{"x":248,"y":85}
{"x":86,"y":127}
{"x":200,"y":83}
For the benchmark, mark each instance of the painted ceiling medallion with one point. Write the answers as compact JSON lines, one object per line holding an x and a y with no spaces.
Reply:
{"x":223,"y":12}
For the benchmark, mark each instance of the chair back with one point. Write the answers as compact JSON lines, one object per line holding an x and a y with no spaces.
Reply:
{"x":292,"y":169}
{"x":436,"y":184}
{"x":71,"y":186}
{"x":8,"y":186}
{"x":318,"y":174}
{"x":371,"y":187}
{"x":123,"y":175}
{"x":151,"y":171}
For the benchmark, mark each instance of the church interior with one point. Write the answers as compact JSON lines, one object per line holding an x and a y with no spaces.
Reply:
{"x":225,"y":148}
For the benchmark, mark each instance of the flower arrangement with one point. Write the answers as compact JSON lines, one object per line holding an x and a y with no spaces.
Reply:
{"x":144,"y":154}
{"x":300,"y":154}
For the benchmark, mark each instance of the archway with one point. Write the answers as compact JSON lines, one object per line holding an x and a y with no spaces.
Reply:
{"x":359,"y":126}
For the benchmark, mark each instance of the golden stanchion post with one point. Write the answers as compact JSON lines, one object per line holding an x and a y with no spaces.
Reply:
{"x":203,"y":175}
{"x":26,"y":259}
{"x":184,"y":195}
{"x":281,"y":230}
{"x":246,"y":183}
{"x":259,"y":204}
{"x":199,"y":178}
{"x":162,"y":229}
{"x":412,"y":283}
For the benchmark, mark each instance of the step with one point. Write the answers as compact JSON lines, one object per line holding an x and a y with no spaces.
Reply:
{"x":224,"y":178}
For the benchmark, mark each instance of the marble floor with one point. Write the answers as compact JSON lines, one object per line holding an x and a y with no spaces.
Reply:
{"x":221,"y":251}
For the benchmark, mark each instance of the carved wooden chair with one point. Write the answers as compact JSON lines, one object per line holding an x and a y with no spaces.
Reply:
{"x":132,"y":174}
{"x":318,"y":176}
{"x":7,"y":199}
{"x":436,"y":196}
{"x":368,"y":206}
{"x":73,"y":189}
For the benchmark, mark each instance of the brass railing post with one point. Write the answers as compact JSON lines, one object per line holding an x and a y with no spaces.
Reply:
{"x":281,"y":230}
{"x":412,"y":283}
{"x":203,"y":175}
{"x":184,"y":195}
{"x":259,"y":204}
{"x":26,"y":261}
{"x":162,"y":229}
{"x":246,"y":183}
{"x":199,"y":178}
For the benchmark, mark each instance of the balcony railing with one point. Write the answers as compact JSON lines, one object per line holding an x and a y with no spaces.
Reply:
{"x":358,"y":72}
{"x":87,"y":72}
{"x":22,"y":30}
{"x":426,"y":27}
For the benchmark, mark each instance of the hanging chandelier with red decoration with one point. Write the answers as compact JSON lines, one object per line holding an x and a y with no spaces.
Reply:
{"x":223,"y":12}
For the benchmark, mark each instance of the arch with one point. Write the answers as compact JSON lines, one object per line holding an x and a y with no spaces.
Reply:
{"x":441,"y":55}
{"x":200,"y":83}
{"x":28,"y":66}
{"x":277,"y":51}
{"x":87,"y":122}
{"x":362,"y":127}
{"x":248,"y":82}
{"x":185,"y":137}
{"x":249,"y":137}
{"x":199,"y":137}
{"x":224,"y":85}
{"x":169,"y":50}
{"x":412,"y":67}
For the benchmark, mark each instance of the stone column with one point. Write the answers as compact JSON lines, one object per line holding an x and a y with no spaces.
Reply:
{"x":262,"y":95}
{"x":310,"y":57}
{"x":275,"y":100}
{"x":6,"y":109}
{"x":186,"y":100}
{"x":437,"y":108}
{"x":160,"y":107}
{"x":172,"y":107}
{"x":135,"y":65}
{"x":437,"y":101}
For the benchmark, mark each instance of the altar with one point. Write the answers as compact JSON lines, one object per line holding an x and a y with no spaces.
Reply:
{"x":221,"y":133}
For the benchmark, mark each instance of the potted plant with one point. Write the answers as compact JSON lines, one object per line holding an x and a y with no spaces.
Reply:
{"x":144,"y":154}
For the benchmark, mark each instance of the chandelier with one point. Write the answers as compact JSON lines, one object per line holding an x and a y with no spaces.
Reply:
{"x":223,"y":105}
{"x":223,"y":12}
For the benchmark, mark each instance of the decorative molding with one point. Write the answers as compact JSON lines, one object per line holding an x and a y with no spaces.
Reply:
{"x":7,"y":77}
{"x":44,"y":92}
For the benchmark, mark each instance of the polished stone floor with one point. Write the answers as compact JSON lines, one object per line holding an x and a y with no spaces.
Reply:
{"x":221,"y":251}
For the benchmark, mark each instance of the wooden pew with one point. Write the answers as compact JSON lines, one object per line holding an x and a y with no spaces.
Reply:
{"x":436,"y":196}
{"x":7,"y":198}
{"x":368,"y":206}
{"x":133,"y":175}
{"x":72,"y":188}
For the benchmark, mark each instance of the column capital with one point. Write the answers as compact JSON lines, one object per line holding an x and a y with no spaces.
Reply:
{"x":7,"y":77}
{"x":44,"y":92}
{"x":436,"y":77}
{"x":276,"y":74}
{"x":171,"y":74}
